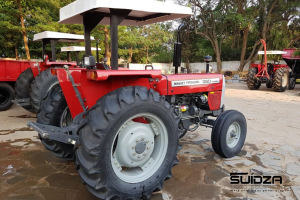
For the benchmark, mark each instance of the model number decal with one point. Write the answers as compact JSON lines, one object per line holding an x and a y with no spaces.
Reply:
{"x":195,"y":82}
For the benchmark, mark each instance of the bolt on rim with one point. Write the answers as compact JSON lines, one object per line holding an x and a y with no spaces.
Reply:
{"x":139,"y":148}
{"x":233,"y":134}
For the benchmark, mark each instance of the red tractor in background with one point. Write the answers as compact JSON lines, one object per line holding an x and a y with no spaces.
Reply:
{"x":275,"y":75}
{"x":9,"y":72}
{"x":33,"y":84}
{"x":124,"y":126}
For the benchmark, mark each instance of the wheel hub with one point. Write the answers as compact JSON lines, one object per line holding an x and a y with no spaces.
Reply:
{"x":135,"y":144}
{"x":284,"y":80}
{"x":233,"y":135}
{"x":140,"y":147}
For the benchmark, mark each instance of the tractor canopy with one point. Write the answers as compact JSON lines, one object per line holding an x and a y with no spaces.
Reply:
{"x":76,"y":49}
{"x":140,"y":13}
{"x":53,"y":37}
{"x":118,"y":12}
{"x":272,"y":52}
{"x":59,"y":37}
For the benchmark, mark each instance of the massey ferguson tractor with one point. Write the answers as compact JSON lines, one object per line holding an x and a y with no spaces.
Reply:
{"x":275,"y":75}
{"x":33,"y":84}
{"x":124,"y":125}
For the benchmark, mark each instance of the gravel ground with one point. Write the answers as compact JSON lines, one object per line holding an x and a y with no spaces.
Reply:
{"x":28,"y":171}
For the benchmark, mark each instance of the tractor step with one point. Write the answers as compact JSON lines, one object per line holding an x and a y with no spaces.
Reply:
{"x":64,"y":135}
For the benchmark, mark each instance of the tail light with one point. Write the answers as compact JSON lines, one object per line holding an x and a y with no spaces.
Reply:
{"x":92,"y":75}
{"x":53,"y":72}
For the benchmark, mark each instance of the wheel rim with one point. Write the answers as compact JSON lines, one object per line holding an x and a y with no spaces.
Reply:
{"x":4,"y":97}
{"x":139,"y":148}
{"x":233,"y":135}
{"x":66,"y":118}
{"x":284,"y":80}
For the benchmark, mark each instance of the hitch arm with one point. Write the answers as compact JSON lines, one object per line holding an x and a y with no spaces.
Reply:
{"x":64,"y":135}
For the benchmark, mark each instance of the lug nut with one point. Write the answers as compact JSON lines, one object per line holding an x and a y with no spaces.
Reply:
{"x":137,"y":140}
{"x":144,"y":154}
{"x":147,"y":141}
{"x":133,"y":147}
{"x":148,"y":147}
{"x":139,"y":156}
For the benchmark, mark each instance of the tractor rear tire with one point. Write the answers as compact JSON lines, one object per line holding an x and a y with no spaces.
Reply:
{"x":281,"y":79}
{"x":110,"y":130}
{"x":252,"y":82}
{"x":7,"y":94}
{"x":229,"y":134}
{"x":292,"y":83}
{"x":54,"y":111}
{"x":22,"y":87}
{"x":41,"y":86}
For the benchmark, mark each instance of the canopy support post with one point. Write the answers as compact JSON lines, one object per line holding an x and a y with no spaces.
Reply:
{"x":53,"y":43}
{"x":69,"y":59}
{"x":116,"y":18}
{"x":90,"y":21}
{"x":44,"y":43}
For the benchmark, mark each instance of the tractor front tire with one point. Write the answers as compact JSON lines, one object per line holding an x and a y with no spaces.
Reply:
{"x":7,"y":94}
{"x":41,"y":86}
{"x":292,"y":83}
{"x":281,"y":79}
{"x":55,"y":111}
{"x":269,"y":84}
{"x":128,"y":145}
{"x":22,"y":87}
{"x":252,"y":82}
{"x":229,"y":133}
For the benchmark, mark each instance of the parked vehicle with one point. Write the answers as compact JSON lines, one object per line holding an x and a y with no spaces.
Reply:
{"x":9,"y":72}
{"x":33,"y":84}
{"x":275,"y":75}
{"x":127,"y":123}
{"x":294,"y":63}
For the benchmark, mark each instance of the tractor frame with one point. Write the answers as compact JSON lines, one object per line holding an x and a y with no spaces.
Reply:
{"x":127,"y":123}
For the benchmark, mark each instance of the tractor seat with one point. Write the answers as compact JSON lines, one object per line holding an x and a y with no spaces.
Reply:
{"x":101,"y":66}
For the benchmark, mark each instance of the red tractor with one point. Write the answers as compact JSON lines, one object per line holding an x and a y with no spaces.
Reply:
{"x":124,"y":126}
{"x":9,"y":72}
{"x":34,"y":83}
{"x":275,"y":75}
